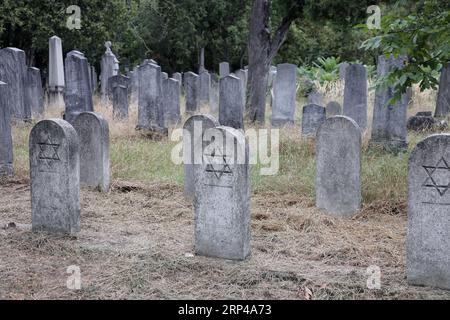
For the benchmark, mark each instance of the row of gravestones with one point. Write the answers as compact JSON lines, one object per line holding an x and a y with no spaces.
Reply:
{"x":219,"y":185}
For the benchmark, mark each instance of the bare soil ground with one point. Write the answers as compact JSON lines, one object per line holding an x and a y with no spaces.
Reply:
{"x":137,"y":243}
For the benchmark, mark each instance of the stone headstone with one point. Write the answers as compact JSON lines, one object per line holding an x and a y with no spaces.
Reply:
{"x":109,"y":68}
{"x":172,"y":95}
{"x":14,"y":72}
{"x":204,"y":88}
{"x":342,"y":70}
{"x":316,"y":97}
{"x":6,"y":144}
{"x":355,"y":94}
{"x":313,"y":117}
{"x":55,"y":177}
{"x":134,"y":83}
{"x":120,"y":103}
{"x":222,"y":197}
{"x":93,"y":134}
{"x":231,"y":105}
{"x":224,"y":69}
{"x":215,"y":92}
{"x":56,"y":81}
{"x":193,"y":130}
{"x":284,"y":103}
{"x":443,"y":99}
{"x":243,"y":76}
{"x":78,"y":95}
{"x":338,"y":181}
{"x":164,"y":75}
{"x":428,"y":235}
{"x":94,"y":80}
{"x":118,"y":80}
{"x":389,"y":121}
{"x":35,"y":92}
{"x":191,"y":87}
{"x":178,"y":76}
{"x":333,"y":109}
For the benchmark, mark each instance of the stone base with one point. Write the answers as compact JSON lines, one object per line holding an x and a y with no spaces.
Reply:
{"x":56,"y":99}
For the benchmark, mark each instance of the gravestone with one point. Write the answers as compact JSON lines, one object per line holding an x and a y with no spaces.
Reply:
{"x":14,"y":72}
{"x":316,"y":97}
{"x":333,"y":109}
{"x":313,"y":117}
{"x":231,"y":105}
{"x":120,"y":103}
{"x":109,"y":68}
{"x":243,"y":76}
{"x":93,"y":134}
{"x":164,"y":76}
{"x":35,"y":92}
{"x":389,"y":121}
{"x":172,"y":105}
{"x":191,"y":87}
{"x":224,"y":69}
{"x":428,"y":231}
{"x":56,"y":81}
{"x":342,"y":70}
{"x":118,"y":80}
{"x":284,"y":88}
{"x":134,"y":83}
{"x":6,"y":144}
{"x":78,"y":95}
{"x":222,"y":197}
{"x":178,"y":76}
{"x":443,"y":99}
{"x":94,"y":80}
{"x":193,"y":130}
{"x":214,"y":106}
{"x":338,"y":181}
{"x":204,"y":89}
{"x":55,"y":177}
{"x":355,"y":94}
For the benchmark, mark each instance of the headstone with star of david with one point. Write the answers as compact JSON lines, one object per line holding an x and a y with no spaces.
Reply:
{"x":222,"y":196}
{"x":93,"y":133}
{"x":55,"y":177}
{"x":428,"y":232}
{"x":338,"y":181}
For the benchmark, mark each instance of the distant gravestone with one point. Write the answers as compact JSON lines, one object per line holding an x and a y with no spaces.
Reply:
{"x":35,"y":91}
{"x":191,"y":87}
{"x":13,"y":71}
{"x":109,"y":68}
{"x":389,"y":121}
{"x":55,"y":177}
{"x":355,"y":94}
{"x":178,"y":76}
{"x":172,"y":113}
{"x":56,"y":81}
{"x":118,"y":80}
{"x":222,"y":197}
{"x":284,"y":103}
{"x":243,"y":76}
{"x":428,"y":236}
{"x":94,"y":80}
{"x":338,"y":182}
{"x":193,"y":131}
{"x":120,"y":103}
{"x":204,"y":89}
{"x":134,"y":83}
{"x":224,"y":69}
{"x":313,"y":117}
{"x":443,"y":100}
{"x":77,"y":95}
{"x":316,"y":97}
{"x":342,"y":70}
{"x":6,"y":144}
{"x":231,"y":105}
{"x":93,"y":134}
{"x":334,"y":109}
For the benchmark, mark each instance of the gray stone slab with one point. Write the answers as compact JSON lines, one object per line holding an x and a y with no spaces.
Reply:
{"x":316,"y":97}
{"x":224,"y":69}
{"x":334,"y":109}
{"x":284,"y":100}
{"x":6,"y":144}
{"x":172,"y":113}
{"x":109,"y":68}
{"x":443,"y":99}
{"x":120,"y":103}
{"x":191,"y":87}
{"x":313,"y":117}
{"x":35,"y":92}
{"x":56,"y":80}
{"x":355,"y":94}
{"x":204,"y":89}
{"x":231,"y":105}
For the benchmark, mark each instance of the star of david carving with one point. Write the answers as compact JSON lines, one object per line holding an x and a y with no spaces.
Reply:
{"x":48,"y":150}
{"x":218,"y":165}
{"x":436,"y":175}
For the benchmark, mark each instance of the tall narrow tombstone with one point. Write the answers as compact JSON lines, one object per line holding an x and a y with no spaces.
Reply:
{"x":243,"y":76}
{"x":164,"y":76}
{"x":215,"y":93}
{"x":134,"y":83}
{"x":193,"y":130}
{"x":191,"y":86}
{"x":443,"y":99}
{"x":204,"y":89}
{"x":93,"y":133}
{"x":222,"y":197}
{"x":78,"y":95}
{"x":231,"y":105}
{"x":55,"y":177}
{"x":172,"y":105}
{"x":428,"y":235}
{"x":355,"y":94}
{"x":56,"y":81}
{"x":35,"y":92}
{"x":109,"y":68}
{"x":224,"y":69}
{"x":343,"y":70}
{"x":120,"y":103}
{"x":13,"y":71}
{"x":313,"y":117}
{"x":284,"y":95}
{"x":333,"y":109}
{"x":6,"y":145}
{"x":389,"y":121}
{"x":94,"y":80}
{"x":338,"y":181}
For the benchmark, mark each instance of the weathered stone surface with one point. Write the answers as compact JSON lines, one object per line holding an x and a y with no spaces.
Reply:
{"x":428,"y":236}
{"x":224,"y":69}
{"x":164,"y":75}
{"x":178,"y":76}
{"x":94,"y":80}
{"x":78,"y":95}
{"x":118,"y":80}
{"x":56,"y":81}
{"x":6,"y":145}
{"x":424,"y":114}
{"x":193,"y":145}
{"x":342,"y":70}
{"x":389,"y":122}
{"x":204,"y":89}
{"x":243,"y":76}
{"x":13,"y":71}
{"x":313,"y":117}
{"x":120,"y":103}
{"x":222,"y":197}
{"x":93,"y":134}
{"x":231,"y":105}
{"x":191,"y":87}
{"x":55,"y":177}
{"x":109,"y":68}
{"x":172,"y":114}
{"x":284,"y":103}
{"x":334,"y":109}
{"x":355,"y":94}
{"x":443,"y":99}
{"x":316,"y":97}
{"x":35,"y":92}
{"x":338,"y":181}
{"x":424,"y":121}
{"x":215,"y":92}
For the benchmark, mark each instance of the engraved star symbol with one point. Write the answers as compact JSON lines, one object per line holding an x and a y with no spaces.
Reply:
{"x":438,"y":177}
{"x":48,"y":150}
{"x":219,"y":169}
